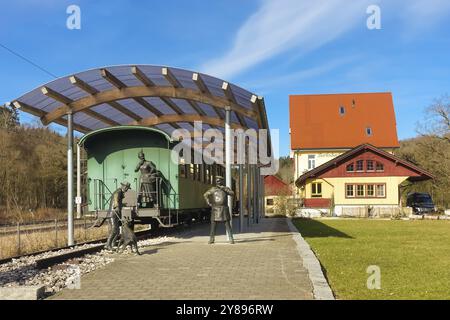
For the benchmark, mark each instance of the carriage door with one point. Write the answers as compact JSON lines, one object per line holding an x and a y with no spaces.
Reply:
{"x":129,"y":163}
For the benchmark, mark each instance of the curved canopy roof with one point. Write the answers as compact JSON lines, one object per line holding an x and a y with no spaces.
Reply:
{"x":91,"y":134}
{"x":143,"y":95}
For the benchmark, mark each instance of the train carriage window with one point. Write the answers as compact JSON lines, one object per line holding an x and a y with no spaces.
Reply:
{"x":208,"y":174}
{"x":213,"y":173}
{"x":182,"y":171}
{"x":191,"y":171}
{"x":205,"y":173}
{"x":200,"y":172}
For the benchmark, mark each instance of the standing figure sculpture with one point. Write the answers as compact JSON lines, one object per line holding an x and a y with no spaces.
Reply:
{"x":116,"y":213}
{"x":147,"y":181}
{"x":217,"y":199}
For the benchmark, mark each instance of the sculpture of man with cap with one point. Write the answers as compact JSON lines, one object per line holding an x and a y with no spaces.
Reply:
{"x":217,"y":199}
{"x":116,"y":213}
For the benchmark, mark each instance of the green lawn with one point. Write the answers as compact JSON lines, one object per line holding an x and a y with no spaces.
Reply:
{"x":413,"y":256}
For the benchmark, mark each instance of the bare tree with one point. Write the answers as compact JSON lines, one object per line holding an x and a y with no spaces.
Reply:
{"x":437,"y":120}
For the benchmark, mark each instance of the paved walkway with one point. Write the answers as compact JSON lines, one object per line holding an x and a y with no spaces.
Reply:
{"x":263,"y":264}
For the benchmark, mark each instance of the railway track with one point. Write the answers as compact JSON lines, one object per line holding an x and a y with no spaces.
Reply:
{"x":59,"y":258}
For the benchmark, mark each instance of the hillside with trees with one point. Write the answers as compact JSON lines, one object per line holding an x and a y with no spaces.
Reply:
{"x":32,"y":170}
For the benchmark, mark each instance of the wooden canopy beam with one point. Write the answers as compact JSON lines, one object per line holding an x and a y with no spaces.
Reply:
{"x":82,"y":85}
{"x":140,"y":75}
{"x":108,"y":76}
{"x":39,"y":113}
{"x":172,"y":118}
{"x":256,"y":105}
{"x":198,"y":80}
{"x":202,"y":87}
{"x":196,"y":107}
{"x":127,"y":112}
{"x":27,"y":108}
{"x":147,"y":105}
{"x":55,"y":95}
{"x":101,"y":117}
{"x":170,"y":77}
{"x":226,"y":87}
{"x":144,"y":91}
{"x":172,"y":105}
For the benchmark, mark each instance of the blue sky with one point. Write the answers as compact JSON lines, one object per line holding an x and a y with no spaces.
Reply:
{"x":272,"y":48}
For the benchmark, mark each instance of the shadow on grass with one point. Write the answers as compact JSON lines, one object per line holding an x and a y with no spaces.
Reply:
{"x":311,"y":228}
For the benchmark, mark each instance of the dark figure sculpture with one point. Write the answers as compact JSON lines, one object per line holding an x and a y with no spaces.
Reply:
{"x":116,"y":213}
{"x":149,"y":173}
{"x":127,"y":238}
{"x":217,"y":199}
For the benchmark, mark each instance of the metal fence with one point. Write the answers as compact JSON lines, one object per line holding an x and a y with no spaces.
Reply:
{"x":23,"y":238}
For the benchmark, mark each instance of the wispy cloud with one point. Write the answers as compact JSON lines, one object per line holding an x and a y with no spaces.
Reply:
{"x":282,"y":25}
{"x":428,"y":10}
{"x":279,"y":26}
{"x":298,"y":76}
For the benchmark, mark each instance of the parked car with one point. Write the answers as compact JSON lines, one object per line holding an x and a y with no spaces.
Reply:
{"x":421,"y":203}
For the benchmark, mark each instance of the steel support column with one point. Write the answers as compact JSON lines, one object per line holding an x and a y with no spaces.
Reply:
{"x":70,"y":230}
{"x":255,"y":193}
{"x":241,"y":198}
{"x":249,"y":193}
{"x":78,"y":181}
{"x":228,"y":182}
{"x":263,"y":192}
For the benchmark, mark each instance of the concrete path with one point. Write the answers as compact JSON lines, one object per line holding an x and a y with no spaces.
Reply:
{"x":263,"y":264}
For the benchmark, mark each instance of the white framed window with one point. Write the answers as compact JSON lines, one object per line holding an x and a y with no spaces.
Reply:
{"x":370,"y":190}
{"x":316,"y":190}
{"x":350,"y":190}
{"x":360,"y":190}
{"x":369,"y":165}
{"x":360,"y":165}
{"x":381,"y":192}
{"x":311,"y":161}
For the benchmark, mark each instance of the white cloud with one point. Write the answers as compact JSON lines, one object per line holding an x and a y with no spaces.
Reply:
{"x":301,"y":75}
{"x":282,"y":25}
{"x":422,"y":14}
{"x":279,"y":26}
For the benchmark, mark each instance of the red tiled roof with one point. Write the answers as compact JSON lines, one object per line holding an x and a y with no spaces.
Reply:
{"x":419,"y":173}
{"x":275,"y":186}
{"x":316,"y":121}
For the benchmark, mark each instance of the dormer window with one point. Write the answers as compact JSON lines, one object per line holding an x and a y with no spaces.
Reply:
{"x":369,"y":131}
{"x":360,"y":165}
{"x":350,"y":167}
{"x":341,"y":110}
{"x":380,"y":166}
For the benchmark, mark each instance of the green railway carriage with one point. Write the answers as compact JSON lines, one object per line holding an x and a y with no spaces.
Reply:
{"x":112,"y":156}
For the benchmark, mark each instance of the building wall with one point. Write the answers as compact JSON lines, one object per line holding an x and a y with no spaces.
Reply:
{"x":321,"y":156}
{"x":335,"y":188}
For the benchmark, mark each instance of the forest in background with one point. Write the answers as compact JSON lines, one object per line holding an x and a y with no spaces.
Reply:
{"x":33,"y":165}
{"x":32,"y":170}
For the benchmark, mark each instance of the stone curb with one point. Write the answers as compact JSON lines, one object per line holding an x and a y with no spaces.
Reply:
{"x":321,"y":289}
{"x":22,"y":293}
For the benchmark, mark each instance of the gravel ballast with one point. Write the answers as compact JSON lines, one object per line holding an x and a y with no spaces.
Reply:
{"x":23,"y":271}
